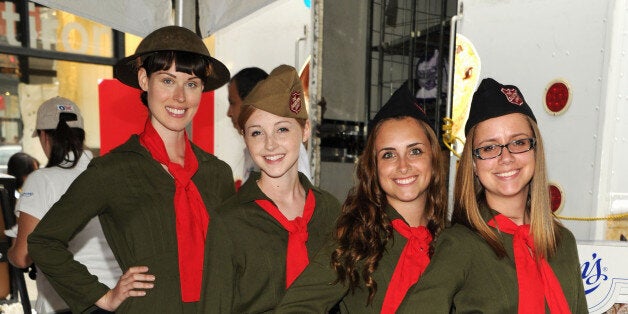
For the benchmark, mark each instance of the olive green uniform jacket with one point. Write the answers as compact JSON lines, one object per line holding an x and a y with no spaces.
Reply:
{"x":465,"y":275}
{"x":313,"y":291}
{"x":132,"y":195}
{"x":259,"y":244}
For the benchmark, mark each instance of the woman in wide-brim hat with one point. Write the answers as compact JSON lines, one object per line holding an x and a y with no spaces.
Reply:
{"x":155,"y":195}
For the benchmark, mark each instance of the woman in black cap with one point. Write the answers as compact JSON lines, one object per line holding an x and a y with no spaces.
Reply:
{"x":506,"y":252}
{"x":155,"y":195}
{"x":382,"y":240}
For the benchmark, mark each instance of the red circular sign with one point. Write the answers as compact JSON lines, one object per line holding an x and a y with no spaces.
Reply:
{"x":556,"y":197}
{"x":557,"y":97}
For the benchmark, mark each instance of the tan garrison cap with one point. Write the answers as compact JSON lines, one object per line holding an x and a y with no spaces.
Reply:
{"x":281,"y":93}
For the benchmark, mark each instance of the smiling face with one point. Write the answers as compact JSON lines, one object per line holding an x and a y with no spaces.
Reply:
{"x":404,"y":162}
{"x":173,"y":97}
{"x":507,"y":176}
{"x":274,"y":142}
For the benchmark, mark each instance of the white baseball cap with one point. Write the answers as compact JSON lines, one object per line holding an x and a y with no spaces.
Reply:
{"x":50,"y":110}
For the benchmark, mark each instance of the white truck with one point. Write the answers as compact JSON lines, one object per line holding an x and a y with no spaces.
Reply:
{"x":569,"y":59}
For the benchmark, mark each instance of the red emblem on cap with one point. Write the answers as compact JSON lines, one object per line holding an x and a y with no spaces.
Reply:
{"x":512,"y":96}
{"x":295,"y":102}
{"x":419,"y":107}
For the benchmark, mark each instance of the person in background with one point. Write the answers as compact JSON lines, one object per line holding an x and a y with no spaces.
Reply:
{"x":382,"y":240}
{"x":60,"y":130}
{"x":278,"y":219}
{"x":20,"y":165}
{"x":155,"y":195}
{"x":506,"y":252}
{"x":240,"y":86}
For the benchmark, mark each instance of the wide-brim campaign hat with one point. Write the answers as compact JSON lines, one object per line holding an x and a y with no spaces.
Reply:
{"x":171,"y":38}
{"x":402,"y":103}
{"x":492,"y":100}
{"x":281,"y":94}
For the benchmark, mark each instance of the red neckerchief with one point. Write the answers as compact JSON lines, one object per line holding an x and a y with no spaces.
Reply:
{"x":190,"y":211}
{"x":532,"y":273}
{"x":412,"y":262}
{"x":296,"y":255}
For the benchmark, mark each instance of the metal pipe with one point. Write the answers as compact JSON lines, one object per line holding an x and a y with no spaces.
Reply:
{"x":368,"y":71}
{"x":452,"y":53}
{"x":178,"y":12}
{"x":296,"y":47}
{"x":412,"y":48}
{"x":450,"y":88}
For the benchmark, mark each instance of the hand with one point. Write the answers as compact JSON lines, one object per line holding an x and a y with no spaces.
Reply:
{"x":133,"y":283}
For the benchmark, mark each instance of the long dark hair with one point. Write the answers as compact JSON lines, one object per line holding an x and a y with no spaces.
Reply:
{"x":186,"y":62}
{"x":363,"y":229}
{"x":65,"y":140}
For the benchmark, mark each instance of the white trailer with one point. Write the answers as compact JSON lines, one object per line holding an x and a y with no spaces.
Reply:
{"x":581,"y":46}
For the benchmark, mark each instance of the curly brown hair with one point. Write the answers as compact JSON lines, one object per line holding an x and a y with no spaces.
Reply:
{"x":363,"y":229}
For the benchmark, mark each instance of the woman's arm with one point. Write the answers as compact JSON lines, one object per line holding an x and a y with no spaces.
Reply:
{"x":443,"y":278}
{"x":18,"y":253}
{"x":577,"y":300}
{"x":313,"y":291}
{"x":48,"y":243}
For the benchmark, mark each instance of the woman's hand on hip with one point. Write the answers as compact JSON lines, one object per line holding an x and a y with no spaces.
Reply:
{"x":133,"y":283}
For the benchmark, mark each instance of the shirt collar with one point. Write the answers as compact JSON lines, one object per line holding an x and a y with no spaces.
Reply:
{"x":250,"y":191}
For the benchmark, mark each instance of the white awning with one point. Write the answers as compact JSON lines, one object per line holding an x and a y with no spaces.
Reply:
{"x":137,"y":17}
{"x":217,"y":14}
{"x":140,"y":17}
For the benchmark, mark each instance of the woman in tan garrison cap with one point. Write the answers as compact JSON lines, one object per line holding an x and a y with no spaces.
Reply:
{"x":278,"y":219}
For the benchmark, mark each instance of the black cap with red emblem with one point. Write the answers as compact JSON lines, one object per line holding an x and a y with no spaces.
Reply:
{"x":401,"y":104}
{"x":492,"y":100}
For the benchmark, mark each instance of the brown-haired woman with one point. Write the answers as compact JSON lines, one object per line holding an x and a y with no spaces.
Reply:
{"x":382,"y":240}
{"x":506,"y":252}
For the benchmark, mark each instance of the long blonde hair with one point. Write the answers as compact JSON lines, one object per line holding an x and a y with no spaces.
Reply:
{"x":469,"y":193}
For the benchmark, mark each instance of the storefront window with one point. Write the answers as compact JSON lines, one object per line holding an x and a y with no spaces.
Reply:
{"x":54,"y":30}
{"x":65,"y":55}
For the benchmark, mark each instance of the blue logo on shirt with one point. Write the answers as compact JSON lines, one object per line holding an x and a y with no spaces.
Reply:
{"x":593,"y":273}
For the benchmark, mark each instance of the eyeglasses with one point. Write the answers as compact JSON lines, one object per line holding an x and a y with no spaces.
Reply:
{"x":515,"y":147}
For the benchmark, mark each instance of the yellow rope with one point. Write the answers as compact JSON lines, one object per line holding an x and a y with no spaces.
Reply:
{"x":448,"y":138}
{"x":609,"y":217}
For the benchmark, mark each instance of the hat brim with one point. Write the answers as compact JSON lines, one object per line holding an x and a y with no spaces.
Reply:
{"x":126,"y":69}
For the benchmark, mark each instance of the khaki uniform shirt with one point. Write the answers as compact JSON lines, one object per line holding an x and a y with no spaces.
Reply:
{"x":259,"y":243}
{"x":313,"y":291}
{"x":466,"y":276}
